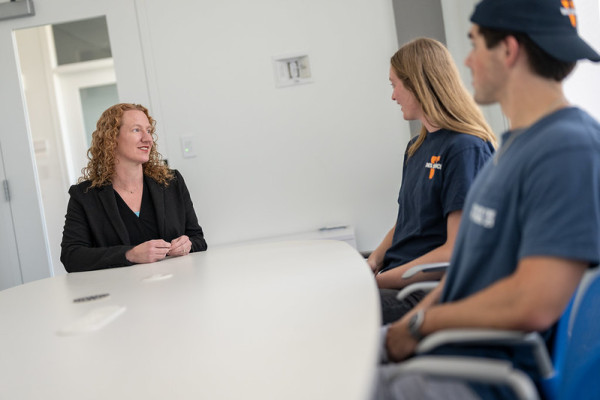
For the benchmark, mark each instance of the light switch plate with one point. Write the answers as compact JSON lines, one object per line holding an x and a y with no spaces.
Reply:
{"x":187,"y":147}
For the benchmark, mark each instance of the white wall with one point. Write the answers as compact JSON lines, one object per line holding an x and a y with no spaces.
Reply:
{"x":583,"y":86}
{"x":273,"y":160}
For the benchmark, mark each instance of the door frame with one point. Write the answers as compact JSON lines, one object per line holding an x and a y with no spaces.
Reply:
{"x":10,"y":273}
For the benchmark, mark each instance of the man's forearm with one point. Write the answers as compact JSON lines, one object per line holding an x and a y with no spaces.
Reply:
{"x":531,"y":299}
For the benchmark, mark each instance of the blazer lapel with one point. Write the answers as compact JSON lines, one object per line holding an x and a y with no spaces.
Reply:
{"x":157,"y":193}
{"x":107,"y":198}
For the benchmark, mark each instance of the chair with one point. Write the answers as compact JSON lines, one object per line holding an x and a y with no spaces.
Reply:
{"x":424,"y":285}
{"x":569,"y":370}
{"x":395,"y":303}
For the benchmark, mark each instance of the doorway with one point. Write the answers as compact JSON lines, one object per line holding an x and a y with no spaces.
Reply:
{"x":69,"y":78}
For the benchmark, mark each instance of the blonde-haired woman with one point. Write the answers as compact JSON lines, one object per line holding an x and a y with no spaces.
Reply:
{"x":439,"y":166}
{"x":128,"y":207}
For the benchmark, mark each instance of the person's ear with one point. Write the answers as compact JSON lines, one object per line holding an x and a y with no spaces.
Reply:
{"x":512,"y":49}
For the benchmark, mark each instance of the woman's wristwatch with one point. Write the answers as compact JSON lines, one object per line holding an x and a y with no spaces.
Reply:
{"x":415,"y":323}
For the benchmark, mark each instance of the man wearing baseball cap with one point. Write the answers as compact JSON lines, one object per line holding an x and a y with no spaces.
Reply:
{"x":532,"y":216}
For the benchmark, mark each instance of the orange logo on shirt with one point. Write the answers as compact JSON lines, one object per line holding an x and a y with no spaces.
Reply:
{"x":568,"y":8}
{"x":433,"y":165}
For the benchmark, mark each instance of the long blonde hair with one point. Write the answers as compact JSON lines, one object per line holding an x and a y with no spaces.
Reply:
{"x":101,"y":154}
{"x":426,"y":68}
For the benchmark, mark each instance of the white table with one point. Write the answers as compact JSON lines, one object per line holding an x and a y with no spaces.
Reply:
{"x":289,"y":320}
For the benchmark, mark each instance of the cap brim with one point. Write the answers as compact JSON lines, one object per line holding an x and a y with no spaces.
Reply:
{"x":568,"y":48}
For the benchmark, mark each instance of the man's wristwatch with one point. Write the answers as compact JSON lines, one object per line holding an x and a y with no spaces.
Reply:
{"x":415,"y":323}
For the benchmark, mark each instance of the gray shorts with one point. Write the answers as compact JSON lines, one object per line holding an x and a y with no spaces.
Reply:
{"x":418,"y":387}
{"x":389,"y":386}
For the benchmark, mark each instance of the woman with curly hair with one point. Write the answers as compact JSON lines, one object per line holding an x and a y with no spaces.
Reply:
{"x":128,"y":207}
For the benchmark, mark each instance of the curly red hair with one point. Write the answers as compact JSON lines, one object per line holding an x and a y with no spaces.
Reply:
{"x":101,"y":155}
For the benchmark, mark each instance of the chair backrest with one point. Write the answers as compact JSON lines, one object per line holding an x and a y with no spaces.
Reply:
{"x":581,"y":368}
{"x":551,"y":386}
{"x":576,"y":347}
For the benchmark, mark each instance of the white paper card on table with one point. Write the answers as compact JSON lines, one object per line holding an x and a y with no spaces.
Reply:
{"x":157,"y":277}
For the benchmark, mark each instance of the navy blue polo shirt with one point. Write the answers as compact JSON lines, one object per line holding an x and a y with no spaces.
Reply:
{"x":435,"y":182}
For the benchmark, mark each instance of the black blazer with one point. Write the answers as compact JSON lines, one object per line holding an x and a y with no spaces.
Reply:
{"x":95,"y":237}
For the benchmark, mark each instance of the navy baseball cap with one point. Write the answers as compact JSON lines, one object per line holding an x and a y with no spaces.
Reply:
{"x":551,"y":24}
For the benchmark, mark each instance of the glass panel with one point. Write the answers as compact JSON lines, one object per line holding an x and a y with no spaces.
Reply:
{"x":83,"y":40}
{"x":94,"y":100}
